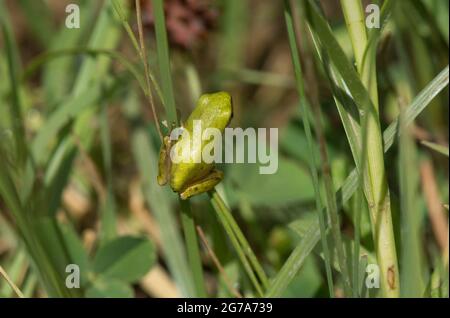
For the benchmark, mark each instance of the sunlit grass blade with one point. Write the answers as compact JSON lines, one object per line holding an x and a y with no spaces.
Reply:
{"x":420,"y":102}
{"x":12,"y":273}
{"x":295,"y":261}
{"x":436,"y":147}
{"x":10,"y":282}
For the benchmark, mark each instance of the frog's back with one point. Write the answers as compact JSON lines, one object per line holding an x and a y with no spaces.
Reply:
{"x":214,"y":111}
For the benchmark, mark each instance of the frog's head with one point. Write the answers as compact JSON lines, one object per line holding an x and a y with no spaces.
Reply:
{"x":214,"y":110}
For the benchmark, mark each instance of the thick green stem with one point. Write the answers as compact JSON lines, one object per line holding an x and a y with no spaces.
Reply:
{"x":376,"y":188}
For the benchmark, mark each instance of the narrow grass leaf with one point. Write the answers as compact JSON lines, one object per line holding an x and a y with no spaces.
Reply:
{"x":305,"y":111}
{"x":436,"y":147}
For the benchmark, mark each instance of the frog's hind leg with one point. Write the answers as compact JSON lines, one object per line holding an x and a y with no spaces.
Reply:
{"x":204,"y":185}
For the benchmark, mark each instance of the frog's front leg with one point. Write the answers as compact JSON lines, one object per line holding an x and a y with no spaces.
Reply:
{"x":204,"y":185}
{"x":164,"y":162}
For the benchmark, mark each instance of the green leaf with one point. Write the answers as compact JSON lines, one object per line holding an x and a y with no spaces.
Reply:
{"x":289,"y":184}
{"x":105,"y":287}
{"x":306,"y":283}
{"x":126,"y":258}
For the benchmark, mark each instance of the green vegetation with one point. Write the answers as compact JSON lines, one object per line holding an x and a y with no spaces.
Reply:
{"x":363,"y":152}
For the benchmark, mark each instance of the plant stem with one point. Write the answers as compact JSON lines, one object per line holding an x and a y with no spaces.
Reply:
{"x":219,"y":266}
{"x":376,"y":187}
{"x":240,"y":243}
{"x":192,"y":247}
{"x":143,"y":55}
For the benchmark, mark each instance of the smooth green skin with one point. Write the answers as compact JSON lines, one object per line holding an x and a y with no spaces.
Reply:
{"x":190,"y":178}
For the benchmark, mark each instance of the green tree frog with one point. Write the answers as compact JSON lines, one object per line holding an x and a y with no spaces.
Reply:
{"x":186,"y":176}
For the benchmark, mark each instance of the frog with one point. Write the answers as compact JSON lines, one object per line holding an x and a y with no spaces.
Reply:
{"x":189,"y":177}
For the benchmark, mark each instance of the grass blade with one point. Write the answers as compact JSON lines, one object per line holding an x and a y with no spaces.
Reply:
{"x":411,"y":277}
{"x":164,"y":61}
{"x":295,"y":261}
{"x":10,"y":283}
{"x":239,"y":242}
{"x":305,"y":111}
{"x":16,"y":107}
{"x":171,"y":113}
{"x":436,"y":147}
{"x":193,"y":251}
